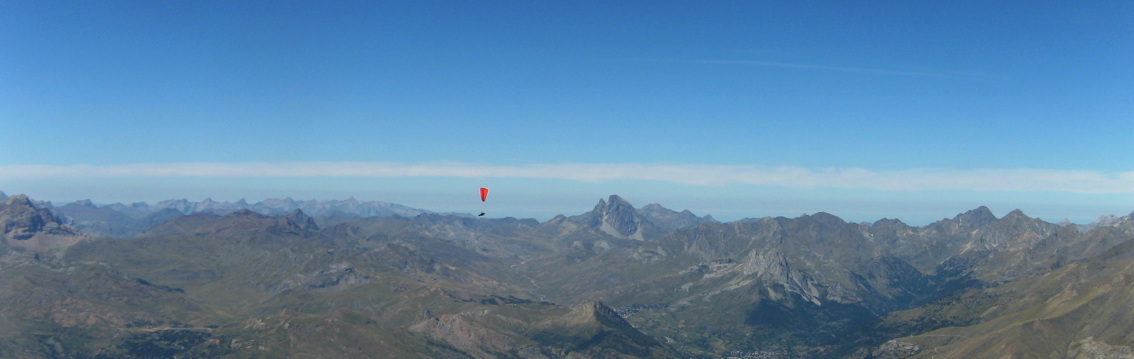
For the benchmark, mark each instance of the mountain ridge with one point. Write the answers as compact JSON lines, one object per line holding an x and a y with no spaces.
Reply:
{"x":609,"y":282}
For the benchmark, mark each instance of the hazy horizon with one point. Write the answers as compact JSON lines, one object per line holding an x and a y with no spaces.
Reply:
{"x":846,"y":210}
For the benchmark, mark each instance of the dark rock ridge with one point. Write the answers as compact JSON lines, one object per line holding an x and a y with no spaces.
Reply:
{"x":300,"y":220}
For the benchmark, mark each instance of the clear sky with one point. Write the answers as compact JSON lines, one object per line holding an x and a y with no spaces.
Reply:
{"x":909,"y":109}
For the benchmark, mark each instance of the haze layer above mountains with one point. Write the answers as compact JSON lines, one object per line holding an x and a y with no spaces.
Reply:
{"x":350,"y":279}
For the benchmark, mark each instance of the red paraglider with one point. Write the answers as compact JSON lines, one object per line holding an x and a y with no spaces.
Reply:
{"x":483,"y":196}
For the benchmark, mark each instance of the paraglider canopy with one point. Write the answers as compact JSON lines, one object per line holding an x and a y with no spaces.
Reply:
{"x":483,"y":196}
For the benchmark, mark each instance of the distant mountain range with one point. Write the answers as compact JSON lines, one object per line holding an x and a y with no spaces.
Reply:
{"x":349,"y":207}
{"x":126,"y":221}
{"x":617,"y":281}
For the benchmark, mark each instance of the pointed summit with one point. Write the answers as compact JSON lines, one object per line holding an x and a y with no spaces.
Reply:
{"x":975,"y":218}
{"x":616,"y":217}
{"x":300,"y":220}
{"x":1016,"y":214}
{"x":3,"y":196}
{"x":600,"y":206}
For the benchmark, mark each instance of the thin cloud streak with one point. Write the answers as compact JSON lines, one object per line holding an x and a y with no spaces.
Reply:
{"x":855,"y":70}
{"x":1021,"y":179}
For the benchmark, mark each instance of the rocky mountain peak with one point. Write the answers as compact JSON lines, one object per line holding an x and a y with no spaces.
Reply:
{"x":975,"y":218}
{"x":300,"y":220}
{"x":1106,"y":221}
{"x":21,"y":219}
{"x":890,"y":222}
{"x":85,"y":203}
{"x":827,"y":218}
{"x":18,"y":199}
{"x":616,"y":217}
{"x":3,"y":196}
{"x":1016,"y":214}
{"x":600,"y":207}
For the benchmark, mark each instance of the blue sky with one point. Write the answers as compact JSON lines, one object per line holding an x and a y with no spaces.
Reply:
{"x":866,"y":110}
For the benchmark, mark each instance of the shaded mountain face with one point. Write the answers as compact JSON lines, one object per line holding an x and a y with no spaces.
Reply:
{"x":611,"y":282}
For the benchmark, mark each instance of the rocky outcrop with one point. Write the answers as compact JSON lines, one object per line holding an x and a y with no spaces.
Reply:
{"x":298,"y":221}
{"x":617,"y":218}
{"x":975,"y":218}
{"x":895,"y":349}
{"x":21,"y":220}
{"x":774,"y":269}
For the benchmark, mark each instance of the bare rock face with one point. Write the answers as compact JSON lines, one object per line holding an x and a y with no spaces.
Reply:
{"x":895,"y":349}
{"x":773,"y":267}
{"x":21,"y":220}
{"x":616,"y":217}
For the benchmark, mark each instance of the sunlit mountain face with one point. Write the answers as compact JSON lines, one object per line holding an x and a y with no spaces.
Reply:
{"x":618,"y":281}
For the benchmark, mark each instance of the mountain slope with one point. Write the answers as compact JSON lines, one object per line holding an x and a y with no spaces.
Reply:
{"x":1077,"y":311}
{"x":613,"y":282}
